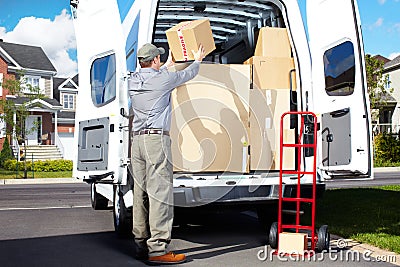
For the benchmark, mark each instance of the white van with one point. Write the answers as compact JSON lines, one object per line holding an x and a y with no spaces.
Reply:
{"x":328,"y":79}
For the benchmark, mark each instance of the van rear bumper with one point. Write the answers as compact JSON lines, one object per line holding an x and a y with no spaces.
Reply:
{"x":239,"y":194}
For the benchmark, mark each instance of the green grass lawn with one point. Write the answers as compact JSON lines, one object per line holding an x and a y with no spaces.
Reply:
{"x":368,"y":215}
{"x":12,"y":174}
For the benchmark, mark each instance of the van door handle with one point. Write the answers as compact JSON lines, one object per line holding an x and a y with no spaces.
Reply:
{"x":340,"y":113}
{"x":123,"y":114}
{"x":291,"y":84}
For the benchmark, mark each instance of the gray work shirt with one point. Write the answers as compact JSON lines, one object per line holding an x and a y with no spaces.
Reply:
{"x":150,"y":93}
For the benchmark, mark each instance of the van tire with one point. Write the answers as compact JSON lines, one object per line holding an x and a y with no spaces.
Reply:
{"x":98,"y":201}
{"x":273,"y":235}
{"x":267,"y":214}
{"x":122,"y":215}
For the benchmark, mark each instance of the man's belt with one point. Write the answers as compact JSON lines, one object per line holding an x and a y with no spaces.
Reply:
{"x":151,"y":131}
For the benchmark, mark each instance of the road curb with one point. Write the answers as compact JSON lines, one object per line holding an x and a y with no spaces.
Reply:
{"x":40,"y":181}
{"x":387,"y":169}
{"x":366,"y":250}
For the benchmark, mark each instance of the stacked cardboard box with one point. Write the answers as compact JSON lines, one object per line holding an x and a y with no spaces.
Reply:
{"x":273,"y":42}
{"x":216,"y":116}
{"x":272,"y":61}
{"x":271,"y":72}
{"x":272,"y":66}
{"x":266,"y":108}
{"x":210,"y":120}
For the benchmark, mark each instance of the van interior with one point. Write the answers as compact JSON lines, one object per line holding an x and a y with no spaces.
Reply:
{"x":235,"y":24}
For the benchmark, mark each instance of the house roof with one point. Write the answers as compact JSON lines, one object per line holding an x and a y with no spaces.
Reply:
{"x":66,"y":115}
{"x":381,"y":58}
{"x":64,"y":84}
{"x":56,"y":83}
{"x":395,"y":63}
{"x":50,"y":101}
{"x":28,"y":57}
{"x":76,"y":79}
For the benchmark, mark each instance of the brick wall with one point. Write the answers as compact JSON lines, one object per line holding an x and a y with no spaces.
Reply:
{"x":66,"y":128}
{"x":6,"y":75}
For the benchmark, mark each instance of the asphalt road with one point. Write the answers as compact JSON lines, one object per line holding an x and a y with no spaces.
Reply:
{"x":53,"y":225}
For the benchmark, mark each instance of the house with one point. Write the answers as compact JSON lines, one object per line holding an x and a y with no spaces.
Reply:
{"x":65,"y":91}
{"x":39,"y":72}
{"x":392,"y":115}
{"x":382,"y":115}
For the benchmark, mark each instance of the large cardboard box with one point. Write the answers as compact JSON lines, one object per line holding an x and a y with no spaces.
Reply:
{"x":266,"y":109}
{"x":187,"y":36}
{"x":292,"y":243}
{"x":272,"y":72}
{"x":273,"y":42}
{"x":209,"y":120}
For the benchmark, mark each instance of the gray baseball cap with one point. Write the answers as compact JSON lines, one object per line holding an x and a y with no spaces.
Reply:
{"x":149,"y":51}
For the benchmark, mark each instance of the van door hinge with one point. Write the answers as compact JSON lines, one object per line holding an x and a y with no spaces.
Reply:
{"x":74,"y":3}
{"x":125,"y":162}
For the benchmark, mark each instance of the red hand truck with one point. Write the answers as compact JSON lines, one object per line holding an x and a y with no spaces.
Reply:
{"x":319,"y":241}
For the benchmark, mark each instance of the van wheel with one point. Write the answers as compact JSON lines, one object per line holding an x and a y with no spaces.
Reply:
{"x":273,"y":235}
{"x":266,"y":216}
{"x":122,"y":215}
{"x":98,"y":201}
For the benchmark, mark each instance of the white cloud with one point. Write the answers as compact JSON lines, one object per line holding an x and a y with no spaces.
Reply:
{"x":56,"y":37}
{"x":378,"y":23}
{"x":2,"y":32}
{"x":394,"y":55}
{"x":381,"y":2}
{"x":397,"y":26}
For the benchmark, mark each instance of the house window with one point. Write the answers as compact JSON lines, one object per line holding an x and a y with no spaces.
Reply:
{"x":102,"y":80}
{"x":387,"y":85}
{"x":68,"y":101}
{"x":32,"y":82}
{"x":339,"y":66}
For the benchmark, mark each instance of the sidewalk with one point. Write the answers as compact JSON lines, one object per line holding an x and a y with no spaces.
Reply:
{"x":40,"y":181}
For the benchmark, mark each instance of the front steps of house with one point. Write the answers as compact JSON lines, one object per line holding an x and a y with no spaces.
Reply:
{"x":41,"y":152}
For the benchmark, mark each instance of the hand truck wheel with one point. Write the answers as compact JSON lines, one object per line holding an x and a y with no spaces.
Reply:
{"x":323,"y":239}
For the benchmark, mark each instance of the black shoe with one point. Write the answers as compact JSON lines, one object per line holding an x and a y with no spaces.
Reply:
{"x":141,"y":254}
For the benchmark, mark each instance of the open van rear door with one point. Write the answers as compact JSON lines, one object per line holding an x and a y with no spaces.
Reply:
{"x":339,"y":87}
{"x":101,"y":130}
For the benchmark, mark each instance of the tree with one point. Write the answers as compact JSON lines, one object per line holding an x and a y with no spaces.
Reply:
{"x":376,"y":82}
{"x":15,"y":109}
{"x":6,"y":153}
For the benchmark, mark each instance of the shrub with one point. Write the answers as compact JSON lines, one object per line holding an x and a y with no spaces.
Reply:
{"x":40,"y":166}
{"x":6,"y":153}
{"x":386,"y":148}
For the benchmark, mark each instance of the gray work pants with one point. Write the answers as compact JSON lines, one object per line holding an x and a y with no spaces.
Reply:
{"x":153,"y":192}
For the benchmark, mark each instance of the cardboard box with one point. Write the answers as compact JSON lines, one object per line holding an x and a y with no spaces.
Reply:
{"x":273,"y":42}
{"x":209,"y":120}
{"x":187,"y":36}
{"x":266,"y":109}
{"x":292,"y":243}
{"x":272,"y":72}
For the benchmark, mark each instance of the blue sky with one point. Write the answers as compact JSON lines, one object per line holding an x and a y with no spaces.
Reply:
{"x":47,"y":23}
